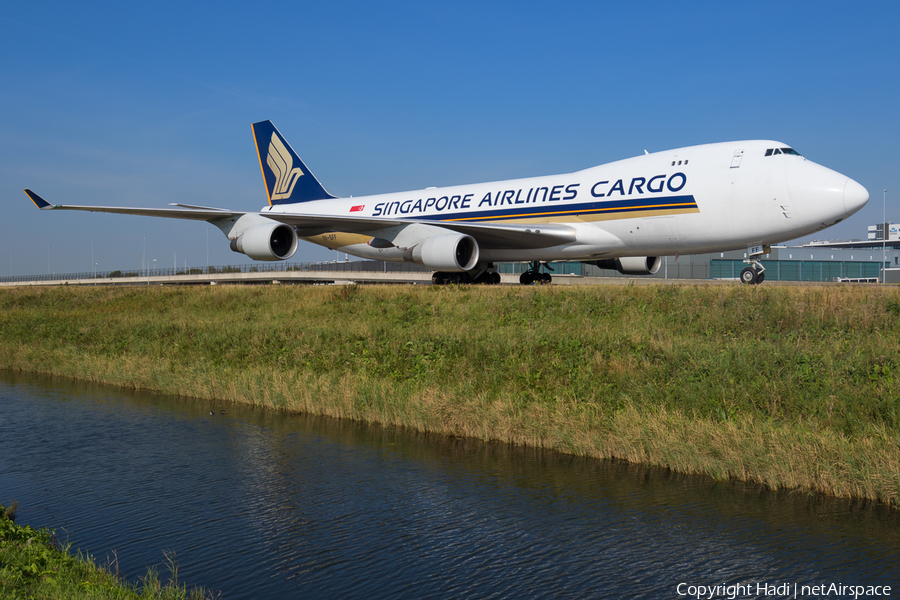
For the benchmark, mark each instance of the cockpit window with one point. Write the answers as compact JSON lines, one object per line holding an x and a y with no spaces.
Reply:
{"x":772,"y":151}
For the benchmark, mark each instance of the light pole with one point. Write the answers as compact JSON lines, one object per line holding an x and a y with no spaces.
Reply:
{"x":884,"y":233}
{"x":48,"y":259}
{"x":207,"y":250}
{"x":93,"y":265}
{"x":143,"y":255}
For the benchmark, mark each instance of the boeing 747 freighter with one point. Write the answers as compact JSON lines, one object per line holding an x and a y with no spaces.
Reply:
{"x":622,"y":215}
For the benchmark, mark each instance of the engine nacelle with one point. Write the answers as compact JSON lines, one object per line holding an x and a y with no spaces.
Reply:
{"x":448,"y":252}
{"x":267,"y":241}
{"x":631,"y":265}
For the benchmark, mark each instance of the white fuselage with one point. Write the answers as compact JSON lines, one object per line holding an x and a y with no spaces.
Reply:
{"x":713,"y":197}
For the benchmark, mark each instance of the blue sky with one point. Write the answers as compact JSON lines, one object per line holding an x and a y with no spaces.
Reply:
{"x":144,"y":104}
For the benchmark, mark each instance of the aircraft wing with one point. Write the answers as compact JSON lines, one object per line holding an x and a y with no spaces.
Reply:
{"x":493,"y":235}
{"x":194,"y":213}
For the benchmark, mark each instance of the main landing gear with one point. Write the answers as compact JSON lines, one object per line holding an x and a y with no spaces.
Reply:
{"x":483,"y":276}
{"x":487,"y":275}
{"x":534,"y":274}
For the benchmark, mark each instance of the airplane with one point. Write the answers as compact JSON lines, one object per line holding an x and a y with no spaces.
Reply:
{"x":622,"y":215}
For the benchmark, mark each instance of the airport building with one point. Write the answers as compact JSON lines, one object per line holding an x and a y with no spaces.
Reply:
{"x":842,"y":260}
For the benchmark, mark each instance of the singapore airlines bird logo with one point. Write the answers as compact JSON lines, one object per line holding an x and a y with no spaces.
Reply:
{"x":282,"y":165}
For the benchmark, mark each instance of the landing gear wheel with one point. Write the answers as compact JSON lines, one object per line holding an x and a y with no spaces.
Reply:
{"x":750,"y":276}
{"x":760,"y":277}
{"x":464,"y":278}
{"x":534,"y":274}
{"x":441,"y":278}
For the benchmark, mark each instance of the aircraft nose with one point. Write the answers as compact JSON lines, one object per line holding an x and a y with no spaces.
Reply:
{"x":821,"y":195}
{"x":855,"y":196}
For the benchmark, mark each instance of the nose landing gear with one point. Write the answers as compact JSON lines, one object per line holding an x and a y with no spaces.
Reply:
{"x":755,"y":273}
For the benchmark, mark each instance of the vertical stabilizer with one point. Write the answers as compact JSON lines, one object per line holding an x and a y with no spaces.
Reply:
{"x":288,"y":181}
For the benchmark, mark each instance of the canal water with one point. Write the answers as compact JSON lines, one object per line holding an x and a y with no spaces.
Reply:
{"x":261,"y":504}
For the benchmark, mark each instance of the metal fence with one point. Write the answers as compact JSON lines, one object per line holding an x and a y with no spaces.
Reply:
{"x":670,"y":269}
{"x":801,"y":270}
{"x":355,"y":266}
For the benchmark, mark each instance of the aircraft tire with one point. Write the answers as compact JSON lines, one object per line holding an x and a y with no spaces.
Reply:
{"x":495,"y":279}
{"x":441,"y":278}
{"x":526,"y":278}
{"x":749,"y":276}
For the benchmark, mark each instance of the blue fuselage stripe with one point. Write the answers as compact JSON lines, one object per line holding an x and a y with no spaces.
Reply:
{"x":619,"y":208}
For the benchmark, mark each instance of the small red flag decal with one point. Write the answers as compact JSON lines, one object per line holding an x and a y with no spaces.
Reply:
{"x":357,"y":208}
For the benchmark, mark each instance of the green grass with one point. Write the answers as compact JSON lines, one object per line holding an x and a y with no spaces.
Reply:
{"x":34,"y":565}
{"x":788,"y":386}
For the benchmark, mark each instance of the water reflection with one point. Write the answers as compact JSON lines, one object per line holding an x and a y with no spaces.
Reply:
{"x":263,"y":504}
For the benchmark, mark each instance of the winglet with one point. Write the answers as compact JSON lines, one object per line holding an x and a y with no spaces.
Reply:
{"x":38,"y":201}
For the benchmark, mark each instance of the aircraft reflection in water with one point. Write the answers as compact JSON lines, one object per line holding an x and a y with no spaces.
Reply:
{"x":623,"y":215}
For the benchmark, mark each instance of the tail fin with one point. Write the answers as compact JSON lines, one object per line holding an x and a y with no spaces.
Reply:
{"x":288,"y":181}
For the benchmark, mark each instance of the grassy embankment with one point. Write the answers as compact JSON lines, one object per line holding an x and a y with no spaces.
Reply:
{"x":791,"y":387}
{"x":32,"y":565}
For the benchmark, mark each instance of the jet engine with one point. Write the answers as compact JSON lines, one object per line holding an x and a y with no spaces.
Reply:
{"x":448,"y":252}
{"x":267,"y":241}
{"x":631,"y":265}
